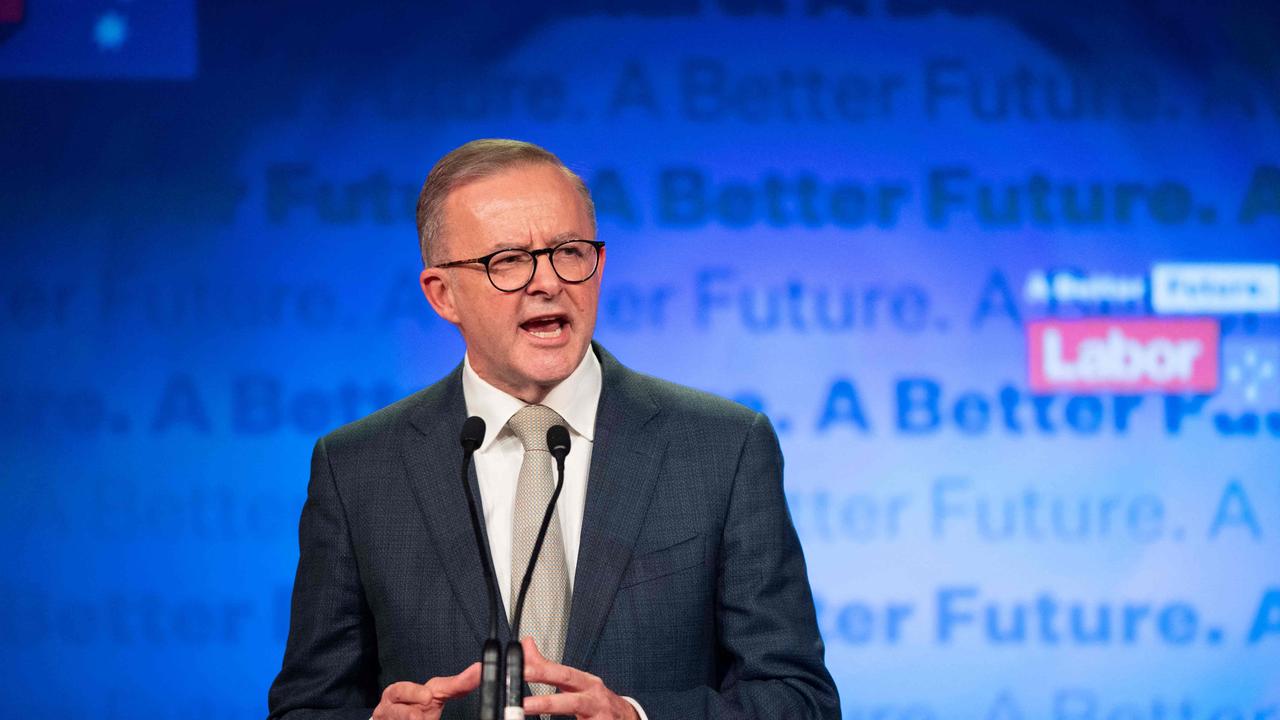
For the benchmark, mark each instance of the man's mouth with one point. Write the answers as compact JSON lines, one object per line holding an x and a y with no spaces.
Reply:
{"x":545,"y":326}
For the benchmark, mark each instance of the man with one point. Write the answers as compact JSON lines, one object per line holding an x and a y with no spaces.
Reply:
{"x":671,"y":585}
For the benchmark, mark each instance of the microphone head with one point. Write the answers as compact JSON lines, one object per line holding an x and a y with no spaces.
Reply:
{"x":558,"y":441}
{"x":472,"y":433}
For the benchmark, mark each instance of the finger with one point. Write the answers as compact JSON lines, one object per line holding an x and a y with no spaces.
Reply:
{"x":562,"y":677}
{"x":452,"y":686}
{"x":533,"y":658}
{"x":405,"y":712}
{"x":391,"y":711}
{"x":539,"y":669}
{"x":575,"y":704}
{"x":407,"y":693}
{"x":531,"y":652}
{"x":436,"y":690}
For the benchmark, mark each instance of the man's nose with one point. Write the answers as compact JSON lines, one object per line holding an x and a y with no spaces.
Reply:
{"x":545,"y":278}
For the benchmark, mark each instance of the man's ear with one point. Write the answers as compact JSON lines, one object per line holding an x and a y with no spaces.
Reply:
{"x":436,"y":287}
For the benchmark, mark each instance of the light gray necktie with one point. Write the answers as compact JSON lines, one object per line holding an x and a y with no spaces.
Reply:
{"x":546,"y":607}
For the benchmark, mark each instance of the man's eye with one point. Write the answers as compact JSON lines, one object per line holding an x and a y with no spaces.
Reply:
{"x":571,"y":253}
{"x":512,"y":259}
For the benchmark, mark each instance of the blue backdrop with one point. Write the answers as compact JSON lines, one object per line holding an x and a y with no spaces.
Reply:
{"x":1004,"y":275}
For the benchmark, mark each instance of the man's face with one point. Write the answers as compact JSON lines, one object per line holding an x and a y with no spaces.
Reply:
{"x":527,"y":341}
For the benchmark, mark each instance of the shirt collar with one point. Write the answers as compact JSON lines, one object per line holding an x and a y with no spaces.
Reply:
{"x":575,"y":399}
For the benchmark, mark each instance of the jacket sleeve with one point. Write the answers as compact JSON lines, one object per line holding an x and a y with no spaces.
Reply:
{"x":766,"y":625}
{"x":330,"y":666}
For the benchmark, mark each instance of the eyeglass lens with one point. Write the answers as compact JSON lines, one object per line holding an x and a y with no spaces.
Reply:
{"x":573,"y":261}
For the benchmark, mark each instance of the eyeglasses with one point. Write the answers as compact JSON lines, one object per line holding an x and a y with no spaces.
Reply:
{"x":510,"y":270}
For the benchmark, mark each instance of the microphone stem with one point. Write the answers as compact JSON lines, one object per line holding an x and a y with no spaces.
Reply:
{"x":481,"y":544}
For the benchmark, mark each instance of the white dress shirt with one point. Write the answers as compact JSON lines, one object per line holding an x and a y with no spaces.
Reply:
{"x":499,"y":457}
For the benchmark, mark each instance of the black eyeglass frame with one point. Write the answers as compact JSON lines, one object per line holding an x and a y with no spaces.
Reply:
{"x":486,"y":259}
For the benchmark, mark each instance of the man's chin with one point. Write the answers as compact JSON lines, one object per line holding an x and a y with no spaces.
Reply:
{"x":551,"y":369}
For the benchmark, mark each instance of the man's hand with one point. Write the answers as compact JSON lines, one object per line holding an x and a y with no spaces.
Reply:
{"x":581,"y":695}
{"x":411,"y":701}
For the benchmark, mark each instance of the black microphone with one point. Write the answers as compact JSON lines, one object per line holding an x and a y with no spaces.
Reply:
{"x":472,"y":433}
{"x":491,"y":653}
{"x":558,"y":443}
{"x":558,"y":446}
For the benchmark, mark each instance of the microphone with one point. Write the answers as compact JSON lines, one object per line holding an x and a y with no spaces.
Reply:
{"x":558,"y":443}
{"x":491,"y":654}
{"x":558,"y":446}
{"x":472,"y":433}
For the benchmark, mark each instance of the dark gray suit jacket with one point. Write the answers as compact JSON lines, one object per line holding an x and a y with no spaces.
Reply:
{"x":690,"y":594}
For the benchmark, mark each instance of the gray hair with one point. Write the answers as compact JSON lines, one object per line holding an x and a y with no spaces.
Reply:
{"x":473,"y":161}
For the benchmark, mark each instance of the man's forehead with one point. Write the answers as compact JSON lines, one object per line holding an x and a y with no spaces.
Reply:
{"x":518,"y":206}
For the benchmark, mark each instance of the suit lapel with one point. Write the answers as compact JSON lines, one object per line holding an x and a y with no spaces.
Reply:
{"x":625,"y":459}
{"x":433,"y":456}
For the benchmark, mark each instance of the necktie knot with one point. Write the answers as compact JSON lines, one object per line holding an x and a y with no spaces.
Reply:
{"x":531,"y":423}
